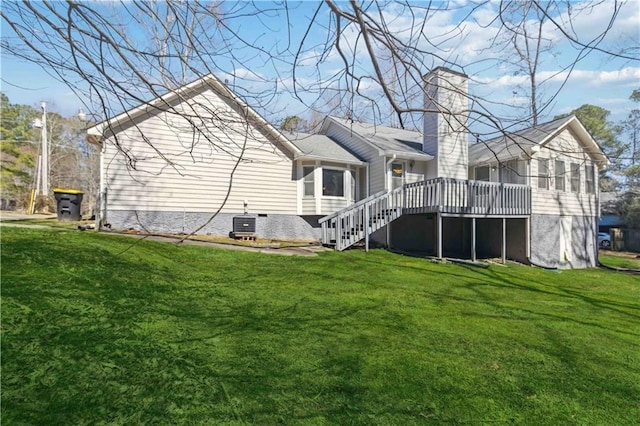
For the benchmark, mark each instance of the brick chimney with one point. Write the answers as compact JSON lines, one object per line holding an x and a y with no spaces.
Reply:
{"x":445,"y":120}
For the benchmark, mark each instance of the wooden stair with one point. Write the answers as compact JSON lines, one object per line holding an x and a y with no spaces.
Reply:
{"x":356,"y":222}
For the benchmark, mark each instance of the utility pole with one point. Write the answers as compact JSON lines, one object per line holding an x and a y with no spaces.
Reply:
{"x":44,"y":170}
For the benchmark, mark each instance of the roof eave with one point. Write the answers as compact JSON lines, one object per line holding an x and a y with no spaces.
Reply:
{"x":596,"y":152}
{"x":403,"y":155}
{"x":303,"y":157}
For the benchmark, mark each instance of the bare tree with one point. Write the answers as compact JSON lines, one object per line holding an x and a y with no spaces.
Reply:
{"x":74,"y":162}
{"x":525,"y":43}
{"x":370,"y":58}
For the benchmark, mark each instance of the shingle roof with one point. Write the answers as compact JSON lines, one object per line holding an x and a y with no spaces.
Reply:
{"x":321,"y":147}
{"x":388,"y":139}
{"x":514,"y":144}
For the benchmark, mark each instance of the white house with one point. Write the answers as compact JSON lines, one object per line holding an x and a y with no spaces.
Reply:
{"x":172,"y":163}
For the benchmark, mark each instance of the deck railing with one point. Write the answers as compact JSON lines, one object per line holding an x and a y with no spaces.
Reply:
{"x":358,"y":221}
{"x":440,"y":195}
{"x":459,"y":196}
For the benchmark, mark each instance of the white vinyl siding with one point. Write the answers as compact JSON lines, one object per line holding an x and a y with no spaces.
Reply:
{"x":332,"y":205}
{"x":377,"y":175}
{"x":415,"y":171}
{"x":309,"y":206}
{"x":445,"y":137}
{"x":362,"y":183}
{"x":169,"y":167}
{"x":563,"y":150}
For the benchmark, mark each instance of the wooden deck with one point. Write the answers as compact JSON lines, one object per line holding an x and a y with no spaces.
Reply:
{"x":442,"y":195}
{"x":467,"y":197}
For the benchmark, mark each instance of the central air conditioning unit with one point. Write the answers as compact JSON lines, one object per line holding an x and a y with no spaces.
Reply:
{"x":244,"y":227}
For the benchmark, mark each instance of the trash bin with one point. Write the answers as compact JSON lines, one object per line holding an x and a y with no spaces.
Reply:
{"x":68,"y":203}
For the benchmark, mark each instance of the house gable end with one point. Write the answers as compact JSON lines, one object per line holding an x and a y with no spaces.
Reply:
{"x":584,"y":140}
{"x":175,"y":102}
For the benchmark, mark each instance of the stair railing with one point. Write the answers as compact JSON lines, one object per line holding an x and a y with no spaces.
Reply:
{"x":353,"y":223}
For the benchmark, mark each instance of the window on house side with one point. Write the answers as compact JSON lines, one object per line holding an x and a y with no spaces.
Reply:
{"x":543,"y":173}
{"x":590,"y":179}
{"x":332,"y":183}
{"x":559,"y":174}
{"x":575,"y":177}
{"x":307,"y":173}
{"x":482,"y":173}
{"x":514,"y":171}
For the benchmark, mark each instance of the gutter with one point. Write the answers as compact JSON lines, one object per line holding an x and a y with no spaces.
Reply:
{"x":304,"y":157}
{"x":408,"y":155}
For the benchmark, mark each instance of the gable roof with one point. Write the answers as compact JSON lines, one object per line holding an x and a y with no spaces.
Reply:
{"x":527,"y":141}
{"x":208,"y":82}
{"x":322,"y":147}
{"x":386,"y":140}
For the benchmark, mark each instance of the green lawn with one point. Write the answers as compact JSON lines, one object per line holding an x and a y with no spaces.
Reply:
{"x":100,"y":329}
{"x":618,"y":260}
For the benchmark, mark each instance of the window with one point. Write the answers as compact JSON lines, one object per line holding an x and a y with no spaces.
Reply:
{"x":307,"y":172}
{"x":575,"y":177}
{"x":332,"y":183}
{"x":590,"y":179}
{"x":559,"y":166}
{"x":543,"y":173}
{"x":514,"y":171}
{"x":482,"y":173}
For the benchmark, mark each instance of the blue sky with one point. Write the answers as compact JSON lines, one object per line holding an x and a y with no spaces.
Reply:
{"x":599,"y":79}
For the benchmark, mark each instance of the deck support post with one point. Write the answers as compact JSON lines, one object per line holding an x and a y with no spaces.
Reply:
{"x":439,"y":249}
{"x":527,"y":237}
{"x":366,"y":228}
{"x":473,"y":239}
{"x":504,"y":240}
{"x":388,"y":232}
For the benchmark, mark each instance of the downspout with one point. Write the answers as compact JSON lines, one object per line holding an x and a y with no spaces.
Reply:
{"x":366,"y":209}
{"x":368,"y":190}
{"x":596,"y":187}
{"x":387,"y":182}
{"x":102,"y":213}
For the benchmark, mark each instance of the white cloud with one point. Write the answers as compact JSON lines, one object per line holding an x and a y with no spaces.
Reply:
{"x":591,"y":19}
{"x":629,"y":76}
